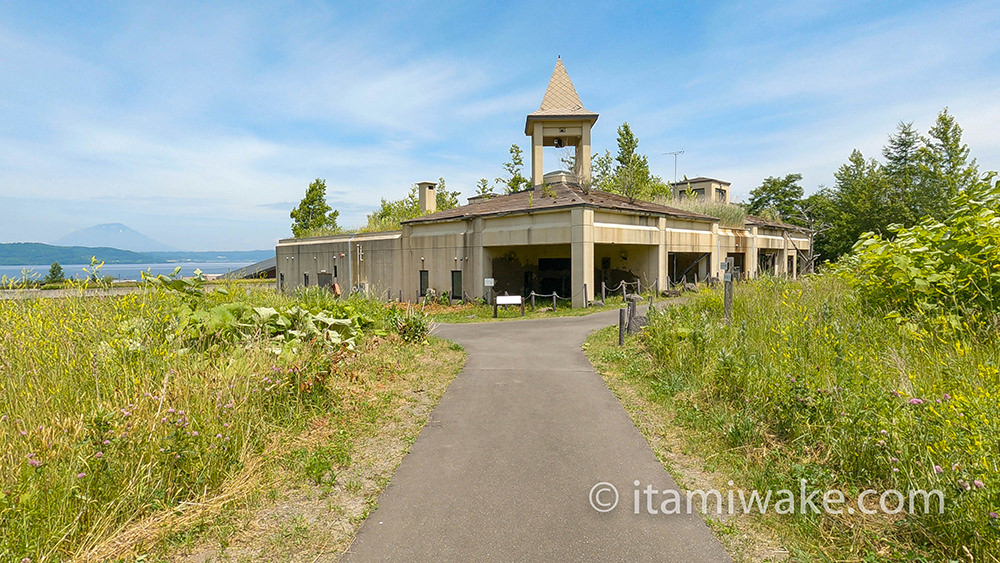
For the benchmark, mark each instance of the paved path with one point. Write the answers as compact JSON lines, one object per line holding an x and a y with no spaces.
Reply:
{"x":505,"y":465}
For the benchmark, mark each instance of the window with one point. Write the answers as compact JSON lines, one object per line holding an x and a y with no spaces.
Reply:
{"x":281,"y":281}
{"x":721,"y":194}
{"x":335,"y":270}
{"x":305,"y":279}
{"x":424,"y":282}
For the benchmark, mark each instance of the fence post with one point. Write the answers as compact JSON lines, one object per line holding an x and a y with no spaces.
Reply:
{"x":585,"y":304}
{"x":604,"y":297}
{"x":621,"y":326}
{"x":624,"y":291}
{"x":638,"y":286}
{"x":553,"y":301}
{"x":532,"y":300}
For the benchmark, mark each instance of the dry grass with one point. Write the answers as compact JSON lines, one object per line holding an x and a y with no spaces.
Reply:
{"x":303,"y":520}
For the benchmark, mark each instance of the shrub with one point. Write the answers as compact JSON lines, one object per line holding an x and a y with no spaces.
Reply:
{"x":942,"y":274}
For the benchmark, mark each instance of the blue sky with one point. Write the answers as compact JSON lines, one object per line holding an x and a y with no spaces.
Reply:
{"x":201,"y":125}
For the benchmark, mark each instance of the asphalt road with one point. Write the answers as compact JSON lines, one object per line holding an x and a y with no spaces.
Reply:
{"x":504,"y":469}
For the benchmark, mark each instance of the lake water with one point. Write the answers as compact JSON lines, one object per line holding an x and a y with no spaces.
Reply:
{"x":126,"y":271}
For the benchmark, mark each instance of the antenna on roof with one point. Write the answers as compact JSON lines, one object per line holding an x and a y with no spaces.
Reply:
{"x":676,"y":154}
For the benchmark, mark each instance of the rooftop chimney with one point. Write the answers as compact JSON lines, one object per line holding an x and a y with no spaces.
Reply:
{"x":428,"y":199}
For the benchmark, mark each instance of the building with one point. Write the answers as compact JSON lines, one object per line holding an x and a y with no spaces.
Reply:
{"x":559,"y":236}
{"x":708,"y":189}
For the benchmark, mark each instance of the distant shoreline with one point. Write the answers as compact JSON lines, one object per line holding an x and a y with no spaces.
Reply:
{"x":123,"y":271}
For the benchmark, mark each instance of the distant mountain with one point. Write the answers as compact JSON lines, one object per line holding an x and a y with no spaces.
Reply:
{"x":112,"y":235}
{"x":36,"y":253}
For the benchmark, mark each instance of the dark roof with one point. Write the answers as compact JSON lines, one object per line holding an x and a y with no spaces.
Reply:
{"x":262,"y":269}
{"x":565,"y":196}
{"x":755,"y":221}
{"x":698,"y":180}
{"x":561,"y":102}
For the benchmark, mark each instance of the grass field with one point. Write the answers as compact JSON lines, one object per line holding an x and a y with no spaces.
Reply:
{"x":808,"y":384}
{"x":126,"y":420}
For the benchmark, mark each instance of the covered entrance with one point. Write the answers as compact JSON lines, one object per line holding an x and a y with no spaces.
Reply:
{"x":519,"y":270}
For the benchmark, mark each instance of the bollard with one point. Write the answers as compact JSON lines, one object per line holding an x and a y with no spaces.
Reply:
{"x":585,"y":300}
{"x":621,"y":326}
{"x":553,"y":301}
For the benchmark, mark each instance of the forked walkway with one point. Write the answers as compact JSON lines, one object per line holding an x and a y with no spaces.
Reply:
{"x":504,"y":468}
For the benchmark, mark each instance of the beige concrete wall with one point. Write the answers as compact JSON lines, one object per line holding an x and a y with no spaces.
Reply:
{"x":338,"y":256}
{"x":689,"y":236}
{"x":550,"y":227}
{"x":439,"y":248}
{"x":622,"y":228}
{"x":390,"y":262}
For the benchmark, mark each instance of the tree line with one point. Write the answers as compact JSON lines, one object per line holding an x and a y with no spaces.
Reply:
{"x":918,"y":176}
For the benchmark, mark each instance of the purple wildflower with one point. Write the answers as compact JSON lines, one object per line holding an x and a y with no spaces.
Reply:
{"x":81,"y":475}
{"x":978,"y":484}
{"x":947,"y":397}
{"x":916,"y":401}
{"x":937,"y":469}
{"x":99,"y":455}
{"x":994,"y":515}
{"x":34,"y":462}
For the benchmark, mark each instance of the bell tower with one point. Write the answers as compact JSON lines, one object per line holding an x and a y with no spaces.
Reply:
{"x":561,"y":121}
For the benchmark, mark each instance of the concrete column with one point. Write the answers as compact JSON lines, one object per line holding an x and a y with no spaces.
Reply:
{"x":409,"y":277}
{"x":477,"y":259}
{"x":582,"y":250}
{"x":784,"y":255}
{"x":583,"y":156}
{"x":537,"y":171}
{"x":713,"y":267}
{"x":753,"y":254}
{"x":662,"y":256}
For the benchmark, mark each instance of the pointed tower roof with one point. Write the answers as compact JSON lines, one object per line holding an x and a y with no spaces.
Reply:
{"x":561,"y":99}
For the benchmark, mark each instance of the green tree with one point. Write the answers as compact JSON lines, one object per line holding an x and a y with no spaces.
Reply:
{"x":781,"y":194}
{"x":484,"y":189}
{"x":945,"y":168}
{"x":921,"y":177}
{"x":313,"y":216}
{"x":903,"y":174}
{"x":56,"y":274}
{"x":391,"y":213}
{"x":443,"y":198}
{"x":515,"y":180}
{"x":630,"y":177}
{"x":602,"y":171}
